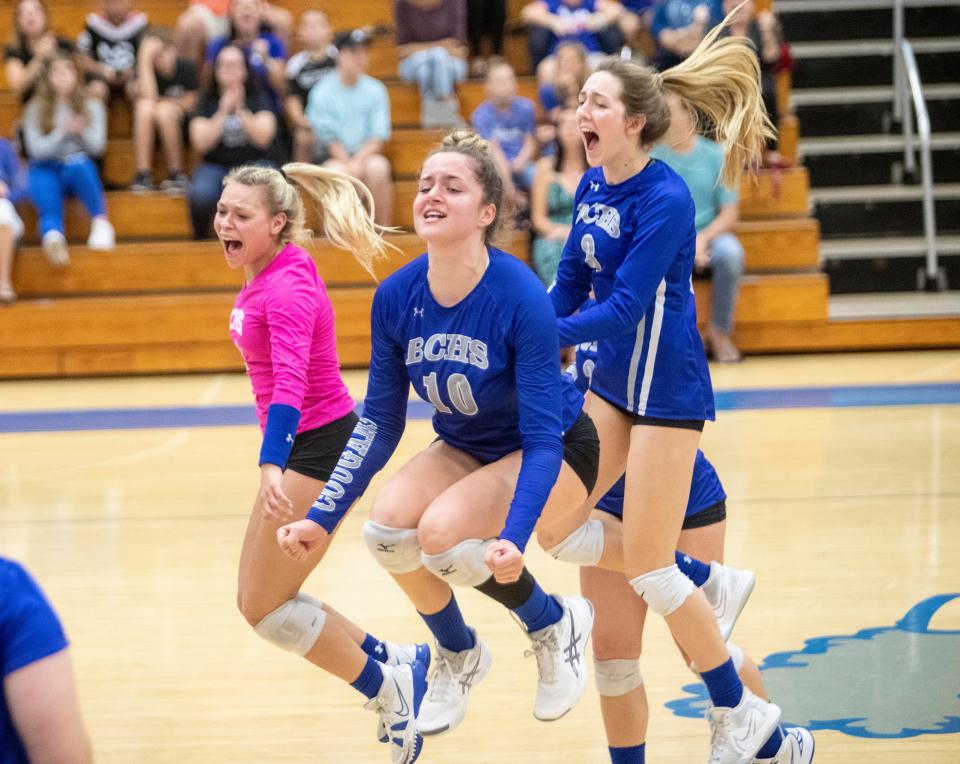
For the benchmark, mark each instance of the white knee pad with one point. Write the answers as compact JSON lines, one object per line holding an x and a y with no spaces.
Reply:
{"x":295,"y":625}
{"x":664,"y":590}
{"x":461,"y":565}
{"x":617,"y":677}
{"x":396,"y":549}
{"x":582,"y":547}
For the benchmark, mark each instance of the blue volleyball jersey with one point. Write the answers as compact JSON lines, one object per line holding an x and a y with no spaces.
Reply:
{"x":706,"y":489}
{"x":633,"y":243}
{"x":29,"y":632}
{"x":490,"y":367}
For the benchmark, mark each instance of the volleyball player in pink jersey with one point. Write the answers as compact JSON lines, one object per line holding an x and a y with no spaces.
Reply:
{"x":283,"y":325}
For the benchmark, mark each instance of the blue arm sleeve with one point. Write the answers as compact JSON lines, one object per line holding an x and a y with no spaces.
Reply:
{"x":537,"y":372}
{"x":572,"y":285}
{"x":658,"y":233}
{"x":278,"y":434}
{"x":381,"y":425}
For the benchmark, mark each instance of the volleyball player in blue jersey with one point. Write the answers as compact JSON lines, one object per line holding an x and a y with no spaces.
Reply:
{"x":472,"y":329}
{"x":632,"y":243}
{"x":620,"y":613}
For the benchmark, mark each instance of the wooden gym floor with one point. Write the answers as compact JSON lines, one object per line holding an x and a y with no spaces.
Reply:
{"x":844,"y":479}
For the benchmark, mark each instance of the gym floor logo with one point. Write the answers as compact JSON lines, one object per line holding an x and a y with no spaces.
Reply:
{"x":888,"y":682}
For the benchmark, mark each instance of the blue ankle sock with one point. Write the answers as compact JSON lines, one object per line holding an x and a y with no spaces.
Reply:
{"x":723,"y":684}
{"x":539,"y":611}
{"x":449,"y":627}
{"x":696,"y":571}
{"x":374,"y":648}
{"x":370,"y":680}
{"x":632,"y":755}
{"x":770,"y":748}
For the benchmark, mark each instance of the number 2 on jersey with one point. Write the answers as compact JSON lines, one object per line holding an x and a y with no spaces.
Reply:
{"x":458,"y":391}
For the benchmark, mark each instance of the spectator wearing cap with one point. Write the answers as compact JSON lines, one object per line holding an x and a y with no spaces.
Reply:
{"x":349,"y":112}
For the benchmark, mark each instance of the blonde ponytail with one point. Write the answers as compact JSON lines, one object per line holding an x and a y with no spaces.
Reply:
{"x":721,"y":80}
{"x":341,"y":204}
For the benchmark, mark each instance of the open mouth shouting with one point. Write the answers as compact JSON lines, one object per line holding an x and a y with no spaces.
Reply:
{"x":434,"y":214}
{"x":590,"y":139}
{"x":231,"y":247}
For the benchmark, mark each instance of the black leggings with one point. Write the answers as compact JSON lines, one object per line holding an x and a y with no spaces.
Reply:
{"x":486,"y":18}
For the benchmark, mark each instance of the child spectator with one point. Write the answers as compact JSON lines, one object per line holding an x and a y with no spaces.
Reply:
{"x":431,"y":43}
{"x":551,"y":198}
{"x":13,"y":187}
{"x":35,"y":44}
{"x":167,"y":91}
{"x":234,"y":125}
{"x":508,"y":121}
{"x":304,"y":70}
{"x":571,"y":70}
{"x":108,"y":46}
{"x":63,"y":128}
{"x":264,"y":50}
{"x":719,"y":253}
{"x":678,"y":26}
{"x":350,"y":113}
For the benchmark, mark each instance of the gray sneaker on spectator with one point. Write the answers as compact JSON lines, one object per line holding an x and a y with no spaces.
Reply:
{"x":177,"y":184}
{"x":142,"y":182}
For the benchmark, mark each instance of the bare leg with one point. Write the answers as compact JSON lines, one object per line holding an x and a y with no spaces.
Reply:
{"x":376,"y":175}
{"x":6,"y":264}
{"x":169,"y":118}
{"x":144,"y":116}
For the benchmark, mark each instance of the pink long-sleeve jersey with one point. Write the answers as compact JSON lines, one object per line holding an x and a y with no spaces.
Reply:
{"x":283,"y":324}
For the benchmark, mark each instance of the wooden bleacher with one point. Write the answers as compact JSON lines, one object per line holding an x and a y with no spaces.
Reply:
{"x":160,"y":303}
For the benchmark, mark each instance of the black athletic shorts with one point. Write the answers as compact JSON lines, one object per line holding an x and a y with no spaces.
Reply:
{"x":652,"y":421}
{"x":315,"y":452}
{"x":581,"y":450}
{"x":710,"y":516}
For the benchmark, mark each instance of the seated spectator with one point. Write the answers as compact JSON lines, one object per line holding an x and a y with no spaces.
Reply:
{"x":205,"y":20}
{"x":64,"y":128}
{"x":304,"y":70}
{"x":634,"y":16}
{"x":349,"y":112}
{"x":167,"y":91}
{"x":678,"y":26}
{"x":508,"y":121}
{"x":40,"y":717}
{"x":35,"y":44}
{"x":763,"y":30}
{"x":431,"y":37}
{"x":13,"y":187}
{"x":264,"y":50}
{"x":571,"y":70}
{"x":108,"y":48}
{"x":592,"y":23}
{"x":486,"y":20}
{"x":551,"y":198}
{"x":719,"y":253}
{"x":234,"y":124}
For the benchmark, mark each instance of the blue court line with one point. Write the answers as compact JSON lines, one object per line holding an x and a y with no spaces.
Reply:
{"x":726,"y":400}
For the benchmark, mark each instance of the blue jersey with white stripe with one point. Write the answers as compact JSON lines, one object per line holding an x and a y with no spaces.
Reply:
{"x":489,"y":365}
{"x":706,"y":491}
{"x":633,"y":243}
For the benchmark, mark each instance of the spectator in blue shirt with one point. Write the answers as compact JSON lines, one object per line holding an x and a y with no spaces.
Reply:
{"x":264,"y":50}
{"x":592,"y":23}
{"x":508,"y":121}
{"x":349,"y":112}
{"x":39,"y":714}
{"x":679,"y":25}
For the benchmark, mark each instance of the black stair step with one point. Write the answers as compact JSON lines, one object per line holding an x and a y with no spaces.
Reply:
{"x":874,"y":117}
{"x":874,"y":168}
{"x":873,"y":23}
{"x":884,"y":274}
{"x":853,"y":71}
{"x":884,"y":218}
